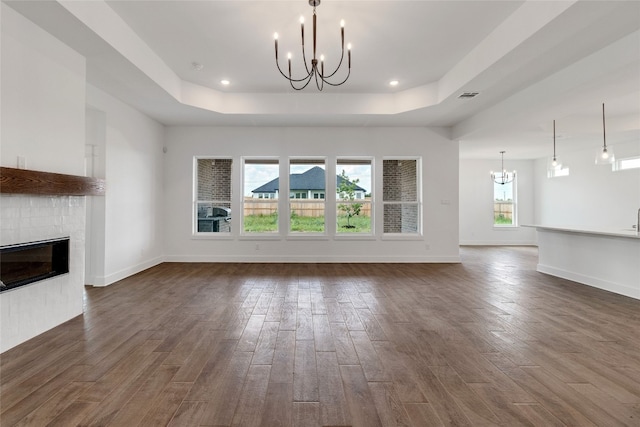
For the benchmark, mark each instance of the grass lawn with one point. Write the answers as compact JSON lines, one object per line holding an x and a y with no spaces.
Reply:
{"x":309,"y":224}
{"x":260,"y":223}
{"x":501,"y":219}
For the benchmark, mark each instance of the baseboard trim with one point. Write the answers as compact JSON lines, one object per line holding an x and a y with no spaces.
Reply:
{"x":496,"y":243}
{"x":590,"y":281}
{"x":101,"y":281}
{"x":312,"y":259}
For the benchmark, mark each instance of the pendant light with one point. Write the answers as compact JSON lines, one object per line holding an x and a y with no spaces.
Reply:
{"x":553,"y":163}
{"x":605,"y":155}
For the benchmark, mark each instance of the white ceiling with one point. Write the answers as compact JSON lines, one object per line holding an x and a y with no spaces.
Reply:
{"x":532,"y":62}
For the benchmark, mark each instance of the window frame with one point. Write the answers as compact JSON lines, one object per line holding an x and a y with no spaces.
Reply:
{"x":275,"y":234}
{"x":355,"y":160}
{"x":419,"y":233}
{"x":514,"y":204}
{"x":196,"y":200}
{"x":619,"y":164}
{"x":311,"y":160}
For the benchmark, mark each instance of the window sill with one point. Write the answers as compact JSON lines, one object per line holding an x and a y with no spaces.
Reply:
{"x":212,"y":236}
{"x":402,"y":236}
{"x":354,"y":236}
{"x":506,"y":227}
{"x":260,"y":236}
{"x":308,"y":236}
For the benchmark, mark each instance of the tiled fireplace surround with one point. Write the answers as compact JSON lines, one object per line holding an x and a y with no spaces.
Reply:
{"x":35,"y":308}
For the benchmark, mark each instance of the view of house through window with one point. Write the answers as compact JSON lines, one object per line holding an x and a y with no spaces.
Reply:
{"x":353,"y":196}
{"x":307,"y":194}
{"x":213,"y":195}
{"x":307,"y":186}
{"x":504,"y":203}
{"x":260,"y":195}
{"x":400,"y":196}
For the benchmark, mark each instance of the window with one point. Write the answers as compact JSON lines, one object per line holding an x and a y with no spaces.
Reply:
{"x":298,"y":195}
{"x":261,"y":187}
{"x":401,"y":196}
{"x":556,"y":172}
{"x":626,"y":163}
{"x":353,"y":196}
{"x":306,"y":213}
{"x":212,"y":207}
{"x":504,"y":203}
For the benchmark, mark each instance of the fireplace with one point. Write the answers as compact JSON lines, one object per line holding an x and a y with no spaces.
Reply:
{"x":26,"y":263}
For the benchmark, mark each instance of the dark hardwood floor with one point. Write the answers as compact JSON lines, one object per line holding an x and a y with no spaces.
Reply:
{"x":486,"y":342}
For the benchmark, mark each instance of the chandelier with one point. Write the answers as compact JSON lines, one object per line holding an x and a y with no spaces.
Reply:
{"x":503,"y":177}
{"x":315,"y":70}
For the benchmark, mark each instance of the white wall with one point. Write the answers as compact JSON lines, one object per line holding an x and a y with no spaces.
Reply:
{"x":95,"y":160}
{"x":591,"y":195}
{"x":476,"y":203}
{"x":43,"y":108}
{"x":43,"y":87}
{"x":134,"y":201}
{"x":440,"y":184}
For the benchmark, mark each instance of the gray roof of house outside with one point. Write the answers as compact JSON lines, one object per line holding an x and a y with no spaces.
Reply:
{"x":313,"y":179}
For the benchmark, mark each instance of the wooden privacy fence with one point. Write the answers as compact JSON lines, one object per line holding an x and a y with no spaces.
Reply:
{"x":301,"y":208}
{"x":504,"y":209}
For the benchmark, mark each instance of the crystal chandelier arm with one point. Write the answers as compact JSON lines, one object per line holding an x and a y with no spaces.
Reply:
{"x":314,"y":32}
{"x":319,"y":84}
{"x":289,"y":78}
{"x":337,"y":68}
{"x":341,"y":54}
{"x":304,"y":56}
{"x":308,"y":78}
{"x":304,"y":61}
{"x":337,"y":84}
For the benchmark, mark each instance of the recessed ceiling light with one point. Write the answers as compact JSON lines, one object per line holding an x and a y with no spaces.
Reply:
{"x":197,"y":66}
{"x":225,"y":82}
{"x":393,"y":83}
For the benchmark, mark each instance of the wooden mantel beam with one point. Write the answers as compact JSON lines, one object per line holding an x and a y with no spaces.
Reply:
{"x":23,"y":181}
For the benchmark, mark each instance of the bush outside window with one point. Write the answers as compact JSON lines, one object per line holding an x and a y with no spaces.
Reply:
{"x":354,"y":203}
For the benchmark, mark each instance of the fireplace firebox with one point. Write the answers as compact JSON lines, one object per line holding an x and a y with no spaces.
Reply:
{"x":26,"y":263}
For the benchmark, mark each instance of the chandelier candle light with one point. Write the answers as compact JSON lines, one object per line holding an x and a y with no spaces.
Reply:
{"x":313,"y":72}
{"x":503,"y":177}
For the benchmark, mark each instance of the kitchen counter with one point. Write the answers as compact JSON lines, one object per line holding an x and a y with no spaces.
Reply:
{"x":603,"y":257}
{"x":605,"y":231}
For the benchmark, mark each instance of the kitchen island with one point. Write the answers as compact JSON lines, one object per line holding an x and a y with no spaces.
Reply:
{"x":606,"y":258}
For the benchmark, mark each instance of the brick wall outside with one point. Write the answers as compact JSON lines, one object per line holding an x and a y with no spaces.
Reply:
{"x":400,"y":185}
{"x":214,"y":183}
{"x":214,"y":179}
{"x":409,"y":191}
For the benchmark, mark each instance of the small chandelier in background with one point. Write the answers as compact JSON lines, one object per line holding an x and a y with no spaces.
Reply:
{"x":315,"y":71}
{"x":604,"y":156}
{"x":503,"y":177}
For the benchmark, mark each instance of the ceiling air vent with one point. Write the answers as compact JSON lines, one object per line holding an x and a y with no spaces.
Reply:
{"x":468,"y":95}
